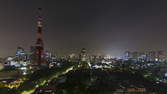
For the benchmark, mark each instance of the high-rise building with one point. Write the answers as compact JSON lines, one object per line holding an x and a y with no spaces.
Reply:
{"x":160,"y":56}
{"x":21,"y":55}
{"x":83,"y":58}
{"x":82,"y":55}
{"x":128,"y":54}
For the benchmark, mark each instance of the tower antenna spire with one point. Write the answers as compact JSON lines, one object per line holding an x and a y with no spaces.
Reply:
{"x":39,"y":17}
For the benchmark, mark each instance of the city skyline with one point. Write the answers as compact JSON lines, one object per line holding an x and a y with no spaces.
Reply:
{"x":108,"y":26}
{"x":83,"y":47}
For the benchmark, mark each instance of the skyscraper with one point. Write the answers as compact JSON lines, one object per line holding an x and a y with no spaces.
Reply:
{"x":82,"y":55}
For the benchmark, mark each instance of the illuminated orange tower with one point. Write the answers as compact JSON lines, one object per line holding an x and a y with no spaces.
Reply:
{"x":39,"y":45}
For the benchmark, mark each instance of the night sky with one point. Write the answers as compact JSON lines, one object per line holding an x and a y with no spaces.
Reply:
{"x":103,"y":26}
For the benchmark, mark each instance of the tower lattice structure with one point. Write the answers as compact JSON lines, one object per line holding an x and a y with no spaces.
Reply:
{"x":39,"y":45}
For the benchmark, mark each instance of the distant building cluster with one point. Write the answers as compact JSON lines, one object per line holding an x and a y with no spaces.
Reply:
{"x":23,"y":60}
{"x":148,"y":56}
